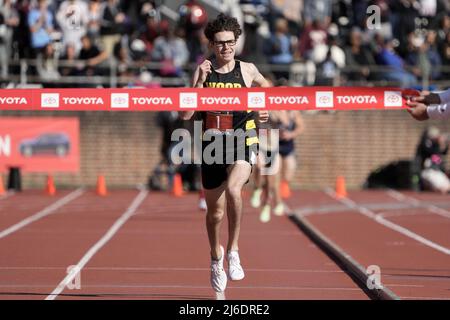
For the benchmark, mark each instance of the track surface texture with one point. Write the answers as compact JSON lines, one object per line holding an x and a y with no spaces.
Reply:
{"x":138,"y":245}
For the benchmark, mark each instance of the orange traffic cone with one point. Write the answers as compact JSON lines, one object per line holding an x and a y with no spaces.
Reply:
{"x":177,"y":189}
{"x":50,"y":188}
{"x":101,"y":186}
{"x":285,"y":190}
{"x":341,"y":191}
{"x":2,"y":187}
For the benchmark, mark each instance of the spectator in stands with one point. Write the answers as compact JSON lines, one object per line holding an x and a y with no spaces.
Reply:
{"x":123,"y":59}
{"x":327,"y":71}
{"x":432,"y":51}
{"x":432,"y":148}
{"x":40,"y":22}
{"x":359,"y":13}
{"x":290,"y":10}
{"x":358,"y":56}
{"x":150,"y":31}
{"x":94,"y":19}
{"x":424,"y":57}
{"x":279,"y":48}
{"x":320,"y":52}
{"x":138,"y":52}
{"x":9,"y":19}
{"x":146,"y":8}
{"x":443,"y":44}
{"x":22,"y":33}
{"x":442,"y":31}
{"x":193,"y":19}
{"x":385,"y":27}
{"x":312,"y":36}
{"x":397,"y":72}
{"x":171,"y":50}
{"x":73,"y":19}
{"x":403,"y":19}
{"x":431,"y":11}
{"x":233,"y":9}
{"x":113,"y":23}
{"x":92,"y":56}
{"x":317,"y":10}
{"x":47,"y":64}
{"x":68,"y":65}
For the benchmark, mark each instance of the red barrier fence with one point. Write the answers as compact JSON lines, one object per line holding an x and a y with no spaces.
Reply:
{"x":230,"y":99}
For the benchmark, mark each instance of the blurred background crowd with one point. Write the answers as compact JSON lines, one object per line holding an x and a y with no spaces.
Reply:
{"x":113,"y":43}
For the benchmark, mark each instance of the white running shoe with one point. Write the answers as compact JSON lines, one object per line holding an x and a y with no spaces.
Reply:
{"x":255,"y":200}
{"x":235,"y":270}
{"x":279,"y":209}
{"x":220,"y":296}
{"x":218,"y":274}
{"x":202,"y":204}
{"x":265,"y":214}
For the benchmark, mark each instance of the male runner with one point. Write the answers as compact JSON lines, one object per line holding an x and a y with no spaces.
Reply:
{"x":223,"y":183}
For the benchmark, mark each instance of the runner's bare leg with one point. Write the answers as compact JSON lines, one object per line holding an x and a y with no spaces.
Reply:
{"x":238,"y":175}
{"x":215,"y":201}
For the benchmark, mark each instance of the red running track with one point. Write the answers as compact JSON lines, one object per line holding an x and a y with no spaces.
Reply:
{"x":35,"y":258}
{"x":405,"y":234}
{"x":157,"y":250}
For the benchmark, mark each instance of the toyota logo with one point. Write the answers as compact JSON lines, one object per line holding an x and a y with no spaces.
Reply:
{"x":256,"y":100}
{"x":49,"y":100}
{"x":393,"y":98}
{"x":188,"y":100}
{"x":324,"y":99}
{"x":119,"y":100}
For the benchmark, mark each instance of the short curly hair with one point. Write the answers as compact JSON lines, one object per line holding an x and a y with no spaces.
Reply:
{"x":223,"y":23}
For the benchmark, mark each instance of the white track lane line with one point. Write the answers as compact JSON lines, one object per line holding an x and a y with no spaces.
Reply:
{"x":379,"y":218}
{"x":43,"y":213}
{"x":418,"y":203}
{"x":92,"y":251}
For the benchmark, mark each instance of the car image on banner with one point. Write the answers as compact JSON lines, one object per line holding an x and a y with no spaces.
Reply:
{"x":40,"y":144}
{"x":57,"y":144}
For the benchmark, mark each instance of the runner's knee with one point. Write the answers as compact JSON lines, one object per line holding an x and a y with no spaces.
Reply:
{"x":215,"y":216}
{"x":234,"y":192}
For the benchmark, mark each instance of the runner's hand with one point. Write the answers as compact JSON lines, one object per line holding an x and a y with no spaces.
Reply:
{"x":204,"y":69}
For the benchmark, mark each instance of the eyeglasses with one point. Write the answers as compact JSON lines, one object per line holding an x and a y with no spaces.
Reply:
{"x":221,"y":44}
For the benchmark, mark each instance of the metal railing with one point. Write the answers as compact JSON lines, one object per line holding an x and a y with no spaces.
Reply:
{"x":300,"y":74}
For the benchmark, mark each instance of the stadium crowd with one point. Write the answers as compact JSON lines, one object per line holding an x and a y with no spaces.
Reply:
{"x":335,"y":41}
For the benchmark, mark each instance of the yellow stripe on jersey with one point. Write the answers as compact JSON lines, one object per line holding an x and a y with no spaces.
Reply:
{"x":222,"y":85}
{"x":251,"y":141}
{"x":250,"y":124}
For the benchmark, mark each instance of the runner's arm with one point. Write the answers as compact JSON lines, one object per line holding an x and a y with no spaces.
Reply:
{"x":299,"y":125}
{"x":257,"y":77}
{"x":260,"y":81}
{"x":187,"y":115}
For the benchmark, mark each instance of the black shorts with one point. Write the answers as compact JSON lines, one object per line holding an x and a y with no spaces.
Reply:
{"x":214,"y":174}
